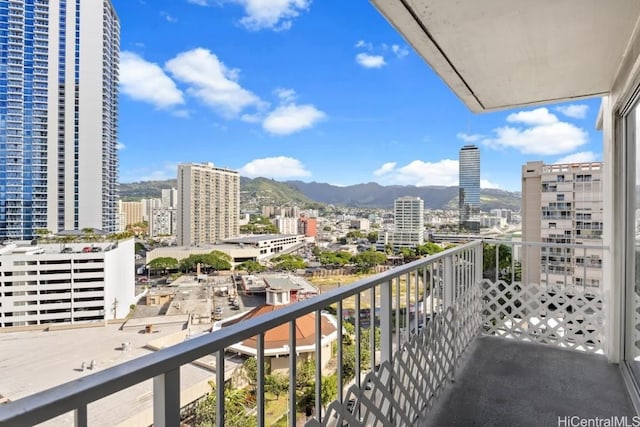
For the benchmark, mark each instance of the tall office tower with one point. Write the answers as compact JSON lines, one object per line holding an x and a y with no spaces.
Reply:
{"x":208,"y":204}
{"x":469,"y":188}
{"x":58,"y":116}
{"x":562,"y":204}
{"x":409,"y":221}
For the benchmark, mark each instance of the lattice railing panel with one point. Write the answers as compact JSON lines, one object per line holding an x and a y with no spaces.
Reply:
{"x":564,"y":316}
{"x":401,"y":391}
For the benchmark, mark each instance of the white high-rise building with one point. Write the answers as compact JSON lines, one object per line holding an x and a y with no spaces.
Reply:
{"x":562,"y":204}
{"x":409,"y":224}
{"x":208,"y":204}
{"x":286,"y":225}
{"x":58,"y":116}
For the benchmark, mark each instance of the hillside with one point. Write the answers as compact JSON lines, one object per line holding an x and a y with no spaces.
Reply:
{"x":375,"y":195}
{"x":145,"y":189}
{"x":253,"y":192}
{"x":257,"y":192}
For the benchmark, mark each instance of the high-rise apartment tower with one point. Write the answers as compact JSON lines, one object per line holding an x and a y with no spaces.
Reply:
{"x":469,"y":187}
{"x":562,"y":204}
{"x":58,"y":116}
{"x":408,"y":213}
{"x":208,"y":204}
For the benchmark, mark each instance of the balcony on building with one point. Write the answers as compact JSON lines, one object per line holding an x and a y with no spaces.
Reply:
{"x":463,"y":339}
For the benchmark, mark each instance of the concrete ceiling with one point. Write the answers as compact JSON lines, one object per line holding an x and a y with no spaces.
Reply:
{"x":497,"y":54}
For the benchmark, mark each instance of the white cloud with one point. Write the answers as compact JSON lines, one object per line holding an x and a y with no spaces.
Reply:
{"x":370,"y":61}
{"x":485,"y":183}
{"x":385,"y":169}
{"x":285,"y":95}
{"x":198,"y":2}
{"x":145,"y":81}
{"x":400,"y":52}
{"x":363,"y":44}
{"x":291,"y":118}
{"x":275,"y":167}
{"x":212,"y":82}
{"x":576,"y":111}
{"x":168,"y":17}
{"x":183,"y":114}
{"x":539,"y":116}
{"x":418,"y":172}
{"x":542,"y":134}
{"x":120,"y":146}
{"x":581,"y":157}
{"x":277,"y":15}
{"x":469,"y":137}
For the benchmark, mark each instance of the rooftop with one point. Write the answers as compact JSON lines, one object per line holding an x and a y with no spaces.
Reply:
{"x":278,"y":337}
{"x":38,"y":360}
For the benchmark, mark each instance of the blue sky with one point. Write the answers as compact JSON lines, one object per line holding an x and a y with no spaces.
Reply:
{"x":321,"y":91}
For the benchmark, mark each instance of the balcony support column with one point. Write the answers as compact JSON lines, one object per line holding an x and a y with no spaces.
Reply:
{"x":166,"y":399}
{"x":386,"y":319}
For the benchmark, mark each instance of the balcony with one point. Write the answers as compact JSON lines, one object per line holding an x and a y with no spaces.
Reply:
{"x":519,"y":353}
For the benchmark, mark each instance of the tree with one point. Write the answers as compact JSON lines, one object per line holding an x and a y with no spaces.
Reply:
{"x":236,"y":408}
{"x":259,"y":224}
{"x":120,"y":236}
{"x":42,"y":232}
{"x":276,"y":384}
{"x":215,"y":260}
{"x":251,"y":267}
{"x":366,"y":260}
{"x":489,"y":261}
{"x":354,"y":234}
{"x":372,"y":236}
{"x":334,"y":259}
{"x":289,"y":262}
{"x":408,"y":254}
{"x":329,"y":389}
{"x":428,"y":248}
{"x":164,"y":264}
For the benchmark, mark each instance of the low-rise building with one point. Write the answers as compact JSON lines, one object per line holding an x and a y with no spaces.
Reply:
{"x":69,"y":283}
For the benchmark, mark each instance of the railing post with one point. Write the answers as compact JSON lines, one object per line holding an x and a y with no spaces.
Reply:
{"x":166,"y":399}
{"x":80,"y":416}
{"x":220,"y":403}
{"x":386,"y":328}
{"x":448,"y":282}
{"x":479,"y":262}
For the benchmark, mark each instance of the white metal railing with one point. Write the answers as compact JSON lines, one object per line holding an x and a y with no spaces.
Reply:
{"x":563,"y":308}
{"x":426,"y":313}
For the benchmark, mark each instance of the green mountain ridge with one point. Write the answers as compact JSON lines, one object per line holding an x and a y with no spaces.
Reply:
{"x":257,"y":192}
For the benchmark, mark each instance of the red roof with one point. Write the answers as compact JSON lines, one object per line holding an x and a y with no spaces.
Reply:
{"x":278,"y":337}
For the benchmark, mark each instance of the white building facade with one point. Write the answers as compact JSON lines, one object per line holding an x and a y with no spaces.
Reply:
{"x":65,"y":284}
{"x":563,"y":204}
{"x":408,"y":230}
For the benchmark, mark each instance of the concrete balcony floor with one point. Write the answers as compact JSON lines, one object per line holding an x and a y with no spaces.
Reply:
{"x":502,"y":382}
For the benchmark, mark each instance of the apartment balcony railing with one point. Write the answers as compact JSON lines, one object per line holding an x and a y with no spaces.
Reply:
{"x":427,"y":313}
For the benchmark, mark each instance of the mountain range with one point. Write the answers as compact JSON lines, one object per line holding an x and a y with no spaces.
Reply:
{"x":262,"y":191}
